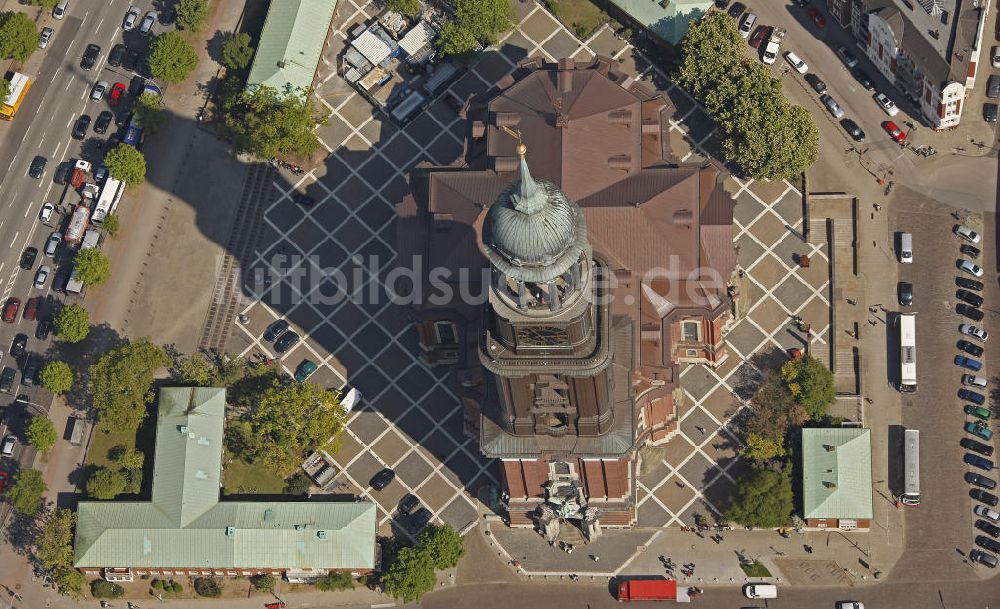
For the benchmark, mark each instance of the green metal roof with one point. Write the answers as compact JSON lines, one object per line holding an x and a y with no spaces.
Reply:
{"x":669,"y":22}
{"x":837,"y":473}
{"x":291,"y":44}
{"x":186,"y":526}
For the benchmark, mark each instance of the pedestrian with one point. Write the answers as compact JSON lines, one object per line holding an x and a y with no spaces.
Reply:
{"x":808,"y":549}
{"x":700,"y":429}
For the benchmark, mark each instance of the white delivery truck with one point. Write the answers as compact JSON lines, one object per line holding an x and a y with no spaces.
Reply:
{"x":107,"y":203}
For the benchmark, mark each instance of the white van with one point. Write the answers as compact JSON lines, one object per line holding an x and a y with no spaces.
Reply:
{"x":8,"y":446}
{"x":760,"y":591}
{"x":746,"y":24}
{"x":60,"y":9}
{"x":906,"y":248}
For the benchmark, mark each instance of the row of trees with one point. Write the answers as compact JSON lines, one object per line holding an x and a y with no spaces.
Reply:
{"x":476,"y":22}
{"x":106,"y":483}
{"x":763,"y":135}
{"x":410,"y":573}
{"x":54,"y":550}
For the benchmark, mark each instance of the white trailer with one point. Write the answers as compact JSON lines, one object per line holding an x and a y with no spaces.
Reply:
{"x":107,"y":203}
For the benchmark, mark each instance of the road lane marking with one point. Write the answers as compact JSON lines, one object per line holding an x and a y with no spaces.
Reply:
{"x":28,"y":208}
{"x":55,"y":152}
{"x":70,"y":122}
{"x":47,"y":191}
{"x":99,"y":24}
{"x":16,"y":235}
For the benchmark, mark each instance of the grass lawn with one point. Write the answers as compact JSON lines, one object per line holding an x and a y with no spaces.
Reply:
{"x":102,"y":443}
{"x":580,"y":16}
{"x":240,"y":477}
{"x":755,"y":569}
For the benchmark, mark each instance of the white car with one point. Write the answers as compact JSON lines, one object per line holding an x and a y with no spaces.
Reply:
{"x":888,"y":106}
{"x":985,"y":512}
{"x":100,"y":88}
{"x":794,"y":61}
{"x":850,"y":605}
{"x":43,"y":39}
{"x":995,"y":57}
{"x":967,"y":266}
{"x":42,"y":276}
{"x":770,"y":53}
{"x":46,"y":214}
{"x":974,"y":332}
{"x":130,"y":18}
{"x":146,"y":27}
{"x":972,"y":380}
{"x":53,"y":244}
{"x":746,"y":24}
{"x":966,"y":233}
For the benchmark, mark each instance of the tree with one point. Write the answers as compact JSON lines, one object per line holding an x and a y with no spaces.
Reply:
{"x":263,"y":582}
{"x":443,"y":544}
{"x":406,"y":7}
{"x":268,"y":124}
{"x":237,"y":52}
{"x":151,"y":114}
{"x":106,"y":484}
{"x":810,"y":383}
{"x":191,"y":14}
{"x":298,"y":484}
{"x":763,"y":499}
{"x":4,"y":88}
{"x":410,"y":576}
{"x":760,"y":448}
{"x":171,"y":58}
{"x":54,"y":550}
{"x":69,"y":581}
{"x":58,"y":377}
{"x":774,"y":410}
{"x":112,"y":224}
{"x":335,"y":581}
{"x":26,"y":492}
{"x":475,"y":22}
{"x":100,"y":588}
{"x":18,"y":36}
{"x":92,"y":266}
{"x":194,"y":371}
{"x":206,"y":586}
{"x":121,"y":384}
{"x":130,"y":459}
{"x":72,"y":323}
{"x":127,"y":164}
{"x":49,"y":4}
{"x":290,"y":420}
{"x":41,"y":433}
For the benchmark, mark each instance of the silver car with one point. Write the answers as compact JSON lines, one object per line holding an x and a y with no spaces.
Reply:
{"x":130,"y":18}
{"x":42,"y":276}
{"x":832,"y":105}
{"x":146,"y":27}
{"x":43,"y":39}
{"x":100,"y":88}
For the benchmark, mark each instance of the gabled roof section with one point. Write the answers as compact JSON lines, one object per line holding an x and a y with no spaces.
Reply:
{"x":837,"y":473}
{"x":188,"y":461}
{"x":291,"y":43}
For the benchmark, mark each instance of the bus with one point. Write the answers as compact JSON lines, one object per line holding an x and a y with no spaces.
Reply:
{"x":907,"y":352}
{"x":111,"y":194}
{"x":911,"y":467}
{"x":19,"y":85}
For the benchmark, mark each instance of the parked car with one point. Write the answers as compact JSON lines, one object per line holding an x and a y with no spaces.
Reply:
{"x":969,"y":250}
{"x":816,"y":17}
{"x":853,"y":130}
{"x":888,"y":106}
{"x":28,"y":258}
{"x":983,"y":496}
{"x":969,"y":311}
{"x":305,"y":369}
{"x":117,"y":55}
{"x":983,"y":558}
{"x":18,"y":346}
{"x":737,"y":9}
{"x":816,"y":83}
{"x":977,"y":461}
{"x":971,"y":348}
{"x":44,"y":327}
{"x":993,"y":86}
{"x":990,"y":112}
{"x":976,"y":446}
{"x":52,"y":244}
{"x":796,"y":63}
{"x":9,"y":443}
{"x":10,"y":309}
{"x":759,"y":35}
{"x":31,"y":308}
{"x":117,"y":93}
{"x":985,"y":542}
{"x":42,"y":276}
{"x":904,"y":291}
{"x":146,"y":27}
{"x":37,"y":167}
{"x":968,"y":362}
{"x":44,"y":37}
{"x":985,"y":512}
{"x":131,"y":17}
{"x":849,"y":59}
{"x":980,"y":480}
{"x":979,"y":429}
{"x":832,"y":106}
{"x":967,"y":266}
{"x":382,"y":479}
{"x":275,"y":329}
{"x":90,"y":55}
{"x":970,"y":297}
{"x":7,"y":378}
{"x":966,"y":233}
{"x":29,"y":377}
{"x":287,"y":340}
{"x":977,"y":333}
{"x":81,"y":126}
{"x":864,"y":79}
{"x":977,"y":411}
{"x":100,"y":88}
{"x":103,"y":121}
{"x":418,"y":520}
{"x":972,"y":396}
{"x":969,"y":284}
{"x":408,"y":503}
{"x":971,"y":380}
{"x":894,"y":131}
{"x":988,"y":527}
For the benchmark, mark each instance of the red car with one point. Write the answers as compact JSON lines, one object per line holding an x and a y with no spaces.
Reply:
{"x":894,"y":132}
{"x":117,"y":91}
{"x":3,"y":480}
{"x":10,"y":309}
{"x":275,"y":605}
{"x":31,"y":308}
{"x":816,"y":16}
{"x":759,"y":35}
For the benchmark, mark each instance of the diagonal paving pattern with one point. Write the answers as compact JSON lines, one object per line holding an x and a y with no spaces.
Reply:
{"x":326,"y":270}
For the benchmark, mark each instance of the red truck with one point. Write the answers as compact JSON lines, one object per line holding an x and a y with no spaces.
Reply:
{"x":647,"y":590}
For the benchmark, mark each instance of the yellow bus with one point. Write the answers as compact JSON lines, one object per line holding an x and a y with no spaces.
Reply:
{"x":19,"y":85}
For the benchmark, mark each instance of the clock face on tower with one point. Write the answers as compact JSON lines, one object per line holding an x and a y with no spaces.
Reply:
{"x":540,"y":336}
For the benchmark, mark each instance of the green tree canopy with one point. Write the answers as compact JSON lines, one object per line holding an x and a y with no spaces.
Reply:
{"x":25,"y":494}
{"x":58,"y":377}
{"x":130,"y":458}
{"x":410,"y":576}
{"x":18,"y":36}
{"x":208,"y":587}
{"x":263,"y":582}
{"x":121,"y":384}
{"x":335,"y":581}
{"x":41,"y":433}
{"x":298,"y":484}
{"x":237,"y":52}
{"x":760,"y":448}
{"x":268,"y":124}
{"x":763,"y":499}
{"x":406,"y":7}
{"x":49,"y":4}
{"x":4,"y":88}
{"x":106,"y":483}
{"x":127,"y":164}
{"x":92,"y":266}
{"x":194,"y":371}
{"x":764,"y":135}
{"x":774,"y":410}
{"x":475,"y":22}
{"x":810,"y":383}
{"x":171,"y":58}
{"x":112,"y":224}
{"x":290,"y":420}
{"x":72,"y":323}
{"x":443,"y":544}
{"x":151,"y":114}
{"x":100,"y":588}
{"x":54,"y":550}
{"x":191,"y":14}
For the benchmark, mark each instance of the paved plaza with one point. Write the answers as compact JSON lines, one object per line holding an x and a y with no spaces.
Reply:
{"x":326,"y":268}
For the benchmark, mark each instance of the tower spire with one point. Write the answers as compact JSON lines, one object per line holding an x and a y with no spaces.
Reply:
{"x":528,"y":198}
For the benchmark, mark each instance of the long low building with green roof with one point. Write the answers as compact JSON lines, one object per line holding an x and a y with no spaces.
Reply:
{"x":291,"y":44}
{"x":186,"y":530}
{"x":837,"y":478}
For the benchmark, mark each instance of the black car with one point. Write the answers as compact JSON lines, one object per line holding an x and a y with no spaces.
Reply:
{"x":37,"y":169}
{"x":970,"y":297}
{"x":104,"y":120}
{"x":382,"y":479}
{"x":408,"y":503}
{"x":303,"y":199}
{"x":117,"y":55}
{"x":971,"y":312}
{"x":90,"y":56}
{"x":59,"y":283}
{"x":988,"y":527}
{"x":983,"y":558}
{"x":81,"y":126}
{"x":418,"y":520}
{"x":972,"y":396}
{"x":28,"y":258}
{"x":287,"y":340}
{"x":864,"y":79}
{"x":133,"y":61}
{"x":985,"y":542}
{"x":737,"y":9}
{"x":969,"y":250}
{"x":30,"y":375}
{"x":905,"y":292}
{"x":63,"y":171}
{"x":993,"y":86}
{"x":816,"y":83}
{"x":43,"y":329}
{"x":983,"y":497}
{"x":7,"y":378}
{"x":980,"y":480}
{"x":276,"y":329}
{"x":18,"y":345}
{"x":970,"y":348}
{"x":990,"y":113}
{"x":853,"y":130}
{"x":970,"y":284}
{"x":136,"y":84}
{"x":976,"y":446}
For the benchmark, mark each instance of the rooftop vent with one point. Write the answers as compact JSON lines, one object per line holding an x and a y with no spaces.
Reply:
{"x":321,"y":534}
{"x":230,"y":531}
{"x":620,"y":161}
{"x":182,"y":428}
{"x":829,"y":484}
{"x":201,"y":475}
{"x":620,"y":117}
{"x":268,"y":515}
{"x":829,"y":448}
{"x":682,"y":217}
